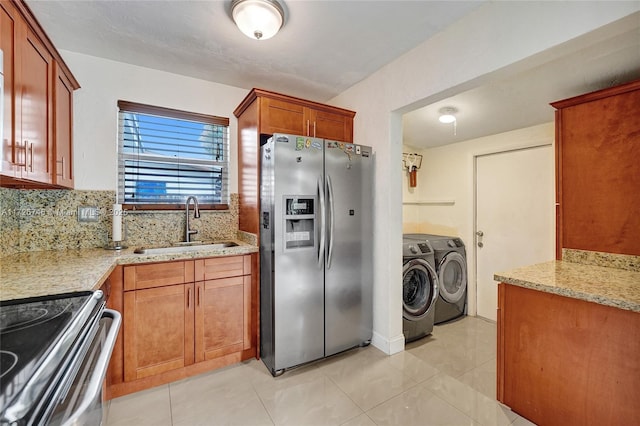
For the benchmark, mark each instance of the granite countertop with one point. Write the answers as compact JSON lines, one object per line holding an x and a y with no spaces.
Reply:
{"x":44,"y":273}
{"x":607,"y":286}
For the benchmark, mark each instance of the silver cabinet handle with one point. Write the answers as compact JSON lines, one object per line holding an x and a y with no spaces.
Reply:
{"x":62,"y":167}
{"x":24,"y":148}
{"x":30,"y":156}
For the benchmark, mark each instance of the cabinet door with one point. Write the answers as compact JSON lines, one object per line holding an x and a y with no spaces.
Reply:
{"x":35,"y":102}
{"x":63,"y":127}
{"x":8,"y":30}
{"x":329,"y":125}
{"x":158,"y":330}
{"x":282,"y":117}
{"x":223,"y":317}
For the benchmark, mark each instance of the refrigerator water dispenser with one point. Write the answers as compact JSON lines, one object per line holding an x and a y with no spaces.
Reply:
{"x":299,"y":222}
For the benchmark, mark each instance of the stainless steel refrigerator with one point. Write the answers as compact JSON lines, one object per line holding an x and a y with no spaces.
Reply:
{"x":316,"y":249}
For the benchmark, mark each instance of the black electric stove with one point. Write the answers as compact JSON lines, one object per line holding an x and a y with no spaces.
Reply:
{"x":39,"y":338}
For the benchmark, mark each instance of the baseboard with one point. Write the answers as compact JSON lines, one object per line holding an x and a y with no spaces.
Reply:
{"x":388,"y":346}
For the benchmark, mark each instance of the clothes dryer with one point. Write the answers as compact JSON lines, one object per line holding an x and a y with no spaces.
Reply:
{"x":451,"y":266}
{"x":419,"y":289}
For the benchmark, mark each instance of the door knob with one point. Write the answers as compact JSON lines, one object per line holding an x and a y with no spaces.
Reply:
{"x":479,"y":233}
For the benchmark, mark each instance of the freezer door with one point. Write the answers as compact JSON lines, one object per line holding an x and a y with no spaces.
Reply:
{"x":349,"y":254}
{"x":298,"y":277}
{"x":266,"y":257}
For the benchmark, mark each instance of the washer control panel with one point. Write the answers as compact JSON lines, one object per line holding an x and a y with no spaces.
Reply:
{"x":424,"y":248}
{"x":420,"y":248}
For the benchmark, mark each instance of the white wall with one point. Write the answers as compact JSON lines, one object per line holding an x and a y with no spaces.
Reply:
{"x":103,"y":82}
{"x":476,"y":48}
{"x":447,"y":174}
{"x":443,"y":198}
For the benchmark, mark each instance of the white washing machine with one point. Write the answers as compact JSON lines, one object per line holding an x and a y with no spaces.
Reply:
{"x":451,"y":266}
{"x":419,"y":289}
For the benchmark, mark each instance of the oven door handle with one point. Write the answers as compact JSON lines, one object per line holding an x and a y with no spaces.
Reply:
{"x":94,"y":386}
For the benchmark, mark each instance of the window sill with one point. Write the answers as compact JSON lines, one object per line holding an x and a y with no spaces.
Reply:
{"x":171,"y":208}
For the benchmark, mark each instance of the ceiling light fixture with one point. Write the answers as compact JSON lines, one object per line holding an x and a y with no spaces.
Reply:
{"x":447,"y":115}
{"x":258,"y":19}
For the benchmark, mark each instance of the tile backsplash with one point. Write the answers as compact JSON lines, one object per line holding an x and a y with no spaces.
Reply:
{"x":34,"y":220}
{"x":9,"y":225}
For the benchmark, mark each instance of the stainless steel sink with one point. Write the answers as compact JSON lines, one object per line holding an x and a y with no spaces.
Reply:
{"x":185,"y":247}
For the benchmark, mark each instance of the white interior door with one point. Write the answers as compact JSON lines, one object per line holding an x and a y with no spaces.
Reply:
{"x":514,"y":216}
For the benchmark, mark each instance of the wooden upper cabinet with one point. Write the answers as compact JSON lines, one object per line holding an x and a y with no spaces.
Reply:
{"x":278,"y":113}
{"x":329,"y":125}
{"x":63,"y":129}
{"x":597,"y":173}
{"x":38,"y":92}
{"x":282,"y":116}
{"x":9,"y":22}
{"x":263,"y":113}
{"x":279,"y":116}
{"x":34,"y":106}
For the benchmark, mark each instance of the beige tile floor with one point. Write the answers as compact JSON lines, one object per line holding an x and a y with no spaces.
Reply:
{"x":448,"y":378}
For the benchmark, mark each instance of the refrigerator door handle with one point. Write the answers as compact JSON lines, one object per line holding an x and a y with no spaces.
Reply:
{"x":331,"y":220}
{"x":321,"y":225}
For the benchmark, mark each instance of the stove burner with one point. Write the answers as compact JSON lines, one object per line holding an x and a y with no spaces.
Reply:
{"x":14,"y":318}
{"x":8,"y":360}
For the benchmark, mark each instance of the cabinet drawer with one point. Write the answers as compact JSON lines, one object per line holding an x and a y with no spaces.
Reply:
{"x":222,"y":267}
{"x":157,"y":275}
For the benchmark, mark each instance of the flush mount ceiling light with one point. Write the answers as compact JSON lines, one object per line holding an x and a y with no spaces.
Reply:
{"x":447,"y":115}
{"x":258,"y":19}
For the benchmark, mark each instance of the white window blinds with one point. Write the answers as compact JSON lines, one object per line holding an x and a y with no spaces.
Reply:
{"x":166,"y":155}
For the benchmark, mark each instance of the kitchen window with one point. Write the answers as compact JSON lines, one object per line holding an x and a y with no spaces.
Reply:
{"x":167,"y":155}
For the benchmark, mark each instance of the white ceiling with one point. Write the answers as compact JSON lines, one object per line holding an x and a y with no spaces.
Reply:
{"x":327,"y":46}
{"x":323,"y":48}
{"x":519,"y":97}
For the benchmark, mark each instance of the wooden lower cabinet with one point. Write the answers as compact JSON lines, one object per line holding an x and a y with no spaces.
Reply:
{"x":174,"y":329}
{"x":158,"y":330}
{"x":564,"y":361}
{"x":222,"y":317}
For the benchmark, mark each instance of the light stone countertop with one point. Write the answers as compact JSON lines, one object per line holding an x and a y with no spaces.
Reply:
{"x":42,"y":273}
{"x":607,"y":286}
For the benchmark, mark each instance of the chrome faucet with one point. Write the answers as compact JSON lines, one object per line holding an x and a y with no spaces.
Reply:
{"x":196,"y":215}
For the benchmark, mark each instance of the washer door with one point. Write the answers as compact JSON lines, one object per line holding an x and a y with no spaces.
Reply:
{"x":452,"y":275}
{"x":419,"y":289}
